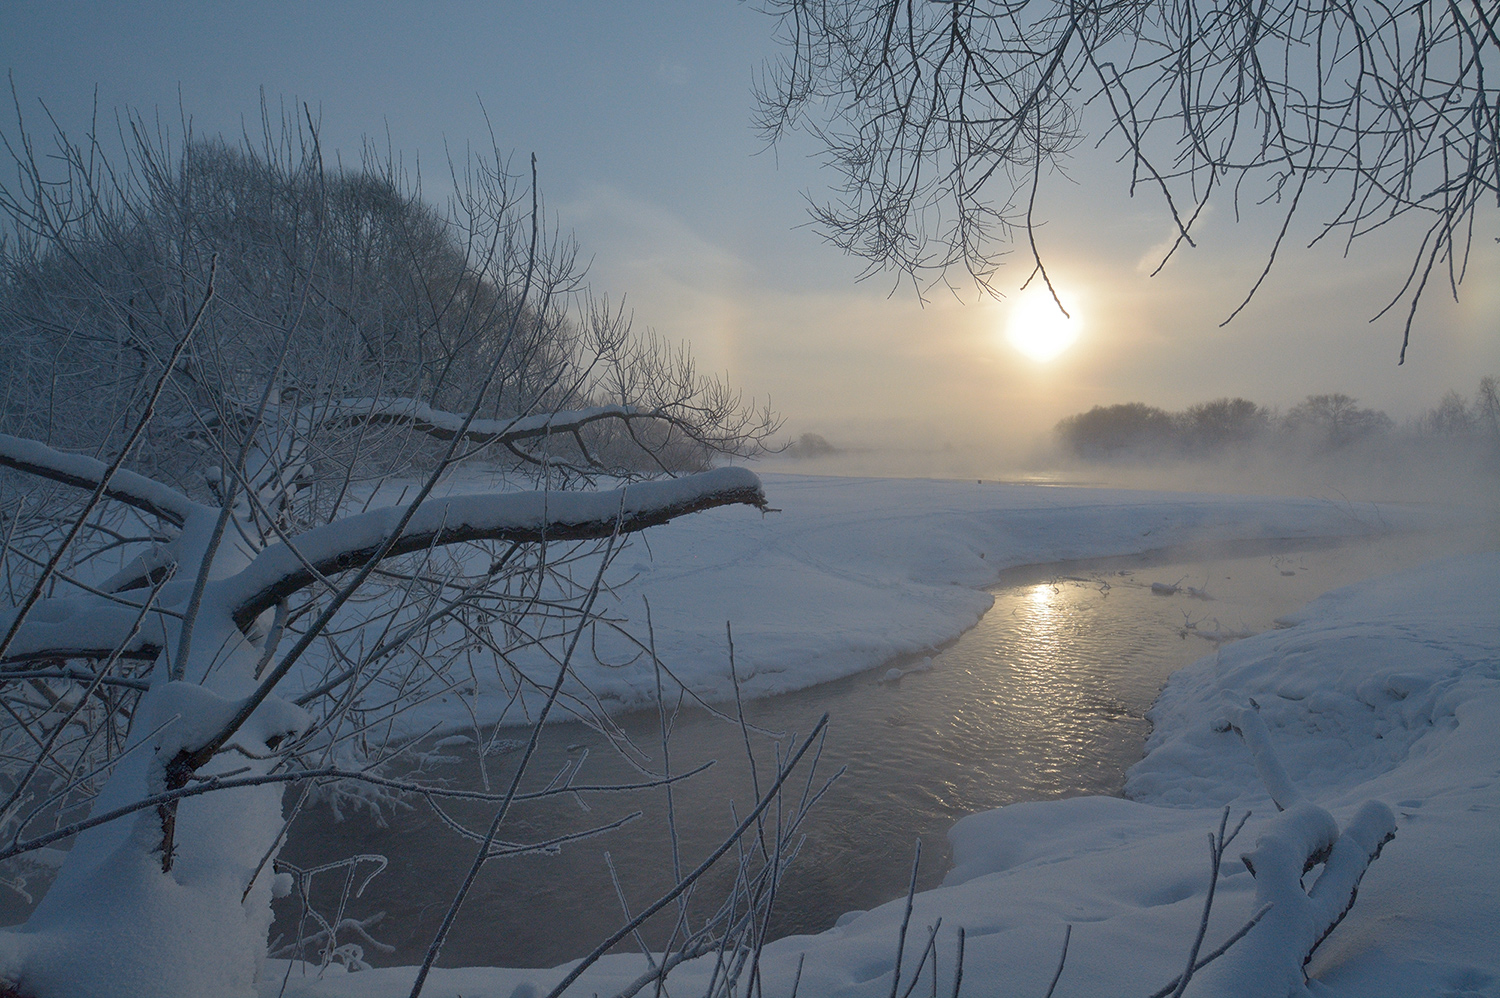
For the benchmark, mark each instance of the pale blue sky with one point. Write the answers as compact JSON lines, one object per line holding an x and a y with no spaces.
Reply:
{"x":639,"y":113}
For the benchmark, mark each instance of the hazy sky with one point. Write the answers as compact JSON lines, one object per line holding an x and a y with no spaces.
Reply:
{"x":640,"y":116}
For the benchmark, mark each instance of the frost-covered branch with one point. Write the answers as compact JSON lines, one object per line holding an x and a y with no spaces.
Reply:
{"x":277,"y":572}
{"x":80,"y":627}
{"x":83,"y":472}
{"x":1248,"y":725}
{"x":1269,"y":961}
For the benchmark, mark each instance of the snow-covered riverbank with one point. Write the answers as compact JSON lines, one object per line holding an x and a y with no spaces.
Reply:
{"x":1389,"y":690}
{"x":848,"y":574}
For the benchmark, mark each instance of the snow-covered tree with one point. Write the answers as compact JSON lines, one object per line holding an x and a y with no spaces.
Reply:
{"x":236,"y":384}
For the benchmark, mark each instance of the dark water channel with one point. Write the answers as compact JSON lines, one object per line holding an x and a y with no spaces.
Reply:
{"x":1045,"y":698}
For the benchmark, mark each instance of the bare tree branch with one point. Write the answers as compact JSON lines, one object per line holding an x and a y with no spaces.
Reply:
{"x":939,"y":124}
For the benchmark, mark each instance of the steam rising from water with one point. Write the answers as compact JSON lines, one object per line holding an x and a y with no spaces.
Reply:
{"x":1392,"y":470}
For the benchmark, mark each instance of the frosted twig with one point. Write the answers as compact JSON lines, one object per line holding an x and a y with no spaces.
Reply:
{"x":702,"y":867}
{"x":690,"y":950}
{"x":797,"y":980}
{"x":359,"y":926}
{"x":666,"y":723}
{"x":739,"y":707}
{"x":958,"y":964}
{"x":1062,"y":961}
{"x":614,"y":878}
{"x":929,"y":951}
{"x":1216,"y":847}
{"x":911,"y":893}
{"x":1223,"y":948}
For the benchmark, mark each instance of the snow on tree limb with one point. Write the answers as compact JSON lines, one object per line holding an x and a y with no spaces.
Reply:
{"x":1252,"y":730}
{"x":1268,"y":963}
{"x":76,"y":627}
{"x":1372,"y":826}
{"x":81,"y":471}
{"x":278,"y":571}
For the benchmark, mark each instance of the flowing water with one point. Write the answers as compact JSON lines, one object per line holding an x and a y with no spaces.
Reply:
{"x":1045,"y":698}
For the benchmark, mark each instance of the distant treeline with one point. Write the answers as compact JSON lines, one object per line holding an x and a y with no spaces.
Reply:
{"x":1330,"y":422}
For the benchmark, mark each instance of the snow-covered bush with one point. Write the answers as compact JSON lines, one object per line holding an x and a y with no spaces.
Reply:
{"x":292,"y":362}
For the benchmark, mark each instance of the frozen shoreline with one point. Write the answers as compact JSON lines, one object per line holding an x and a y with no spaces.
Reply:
{"x":1387,"y":690}
{"x":851,"y":574}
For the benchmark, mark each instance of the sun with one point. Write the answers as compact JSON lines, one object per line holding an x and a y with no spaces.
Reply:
{"x":1037,"y":328}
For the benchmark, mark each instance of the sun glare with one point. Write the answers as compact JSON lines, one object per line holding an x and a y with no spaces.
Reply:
{"x":1037,"y":328}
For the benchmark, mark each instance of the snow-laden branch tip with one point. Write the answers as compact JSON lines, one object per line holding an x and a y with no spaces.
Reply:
{"x":81,"y":627}
{"x":1269,"y":962}
{"x":527,"y":517}
{"x":1252,"y":730}
{"x":81,"y":471}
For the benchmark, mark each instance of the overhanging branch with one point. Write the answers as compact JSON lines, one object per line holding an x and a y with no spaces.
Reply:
{"x":139,"y":651}
{"x":520,"y":517}
{"x":80,"y":627}
{"x":83,"y":472}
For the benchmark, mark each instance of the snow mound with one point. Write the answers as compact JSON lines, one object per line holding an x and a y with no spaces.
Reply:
{"x":1349,"y":691}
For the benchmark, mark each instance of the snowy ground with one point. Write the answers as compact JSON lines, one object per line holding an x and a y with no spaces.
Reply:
{"x":851,"y":573}
{"x":1389,"y":690}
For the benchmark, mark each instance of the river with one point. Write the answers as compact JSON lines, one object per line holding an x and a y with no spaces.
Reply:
{"x":1046,"y":697}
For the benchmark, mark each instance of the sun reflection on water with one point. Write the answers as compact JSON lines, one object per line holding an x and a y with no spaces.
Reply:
{"x":1046,"y":697}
